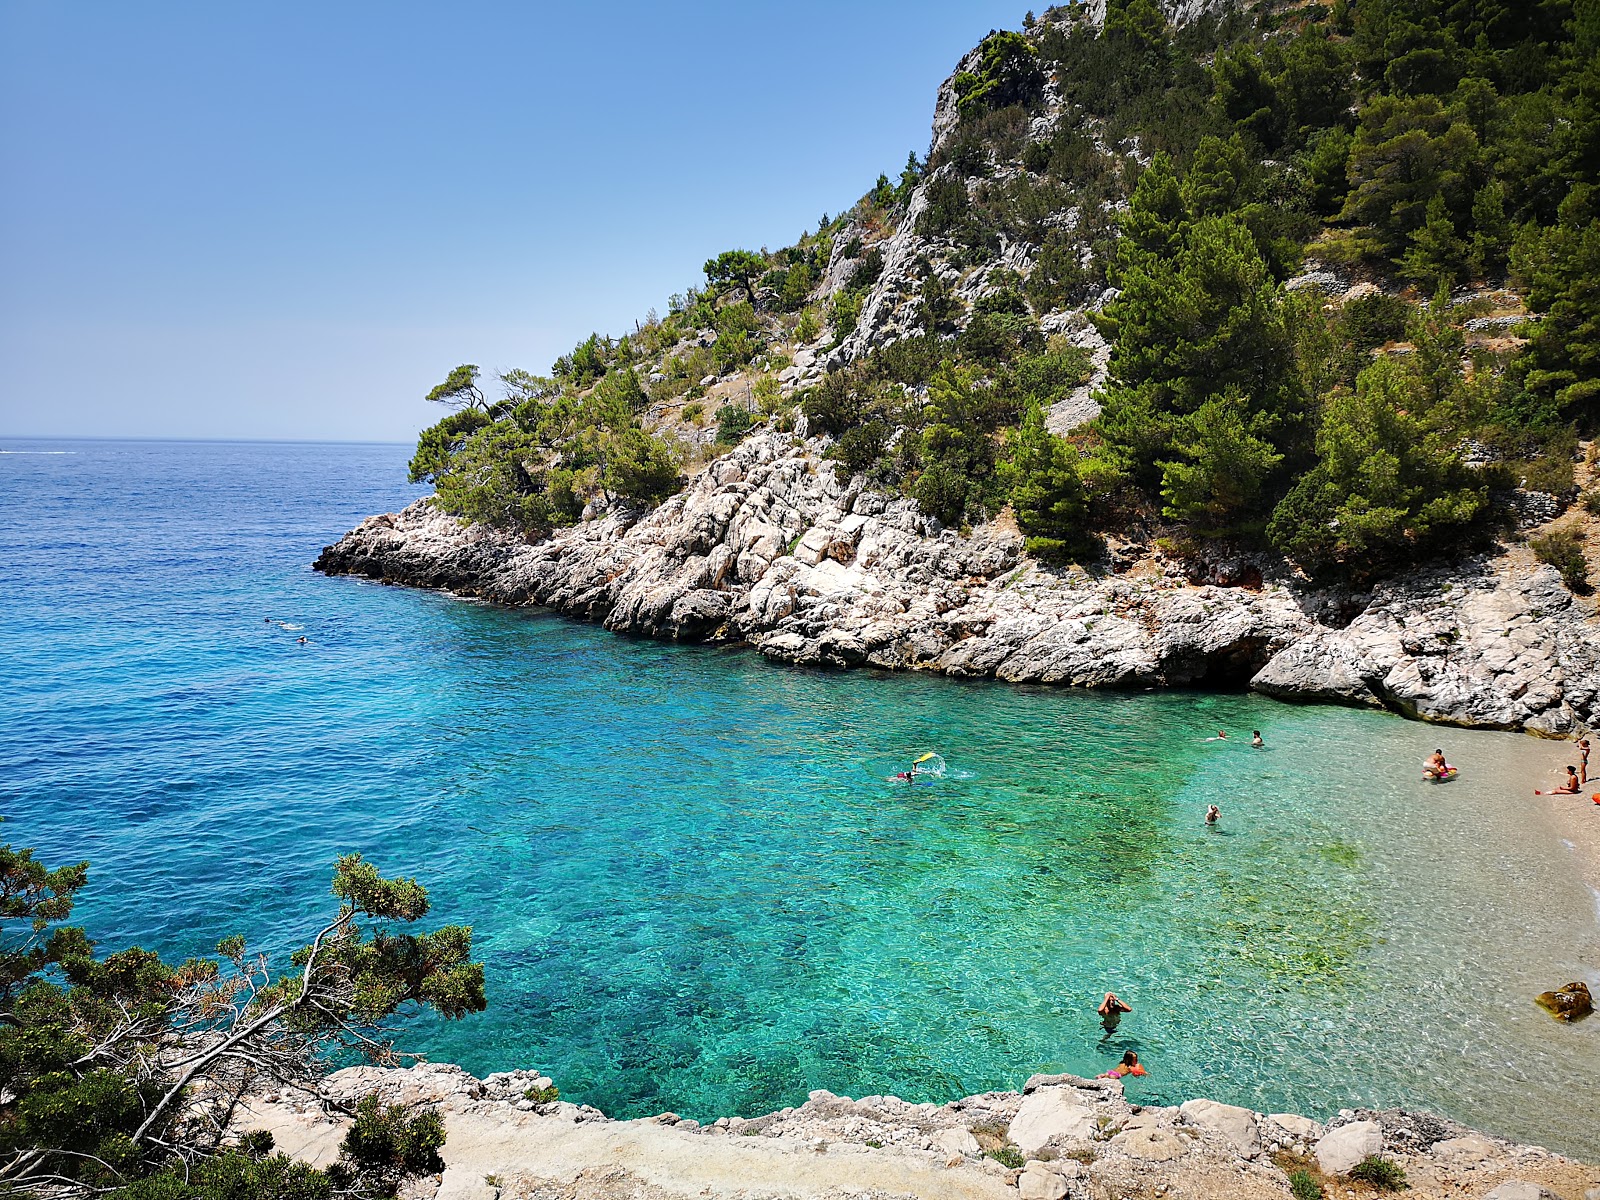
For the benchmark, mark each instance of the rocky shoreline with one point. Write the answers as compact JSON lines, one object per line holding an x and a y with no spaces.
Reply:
{"x":767,"y":547}
{"x":1060,"y":1138}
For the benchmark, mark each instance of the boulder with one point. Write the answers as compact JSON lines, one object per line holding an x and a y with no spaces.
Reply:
{"x":1301,"y":1128}
{"x":1236,"y":1124}
{"x":1341,"y":1149}
{"x":1520,"y":1189}
{"x":957,"y":1141}
{"x":1038,"y":1182}
{"x":1051,"y":1113}
{"x":1568,"y":1003}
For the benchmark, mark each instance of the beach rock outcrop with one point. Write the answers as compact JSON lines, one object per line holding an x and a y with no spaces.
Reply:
{"x":1078,"y":1138}
{"x":769,"y":547}
{"x":1342,"y":1149}
{"x":1567,"y":1003}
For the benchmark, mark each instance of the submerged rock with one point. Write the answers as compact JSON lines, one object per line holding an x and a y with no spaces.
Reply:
{"x":1568,"y":1003}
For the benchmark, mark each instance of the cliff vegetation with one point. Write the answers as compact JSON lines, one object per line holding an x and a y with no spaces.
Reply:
{"x":1320,"y":279}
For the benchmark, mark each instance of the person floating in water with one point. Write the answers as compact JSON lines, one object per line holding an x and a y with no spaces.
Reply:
{"x":1436,"y":767}
{"x":1212,"y":815}
{"x":1569,"y":788}
{"x":1222,"y":736}
{"x":302,"y":640}
{"x":1111,"y":1010}
{"x":1128,"y":1066}
{"x":1255,"y":739}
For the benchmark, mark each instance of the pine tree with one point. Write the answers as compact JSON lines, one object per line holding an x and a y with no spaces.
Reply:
{"x":1047,"y":493}
{"x":1491,"y":231}
{"x":1437,"y":257}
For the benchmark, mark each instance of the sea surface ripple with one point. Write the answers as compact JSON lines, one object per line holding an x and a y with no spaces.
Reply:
{"x":692,"y":880}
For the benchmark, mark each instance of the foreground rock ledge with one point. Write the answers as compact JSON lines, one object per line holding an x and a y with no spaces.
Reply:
{"x":1083,"y":1140}
{"x":766,"y":546}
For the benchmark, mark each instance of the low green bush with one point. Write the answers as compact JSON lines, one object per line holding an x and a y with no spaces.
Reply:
{"x":548,"y":1095}
{"x":1563,"y":550}
{"x":1304,"y":1185}
{"x":1008,"y":1156}
{"x":733,"y":423}
{"x":1382,"y":1173}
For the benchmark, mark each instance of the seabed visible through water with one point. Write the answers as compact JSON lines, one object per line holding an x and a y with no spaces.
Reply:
{"x":694,"y":883}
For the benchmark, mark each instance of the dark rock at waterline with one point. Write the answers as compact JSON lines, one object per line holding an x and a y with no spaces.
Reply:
{"x":1567,"y":1003}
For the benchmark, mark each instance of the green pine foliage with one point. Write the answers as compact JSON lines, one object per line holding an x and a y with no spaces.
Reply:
{"x":1425,"y":145}
{"x":103,"y":1056}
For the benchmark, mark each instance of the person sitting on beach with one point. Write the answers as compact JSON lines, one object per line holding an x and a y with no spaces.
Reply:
{"x":1569,"y":788}
{"x":1111,"y":1010}
{"x":1212,"y":815}
{"x":1255,"y":739}
{"x":1128,"y":1066}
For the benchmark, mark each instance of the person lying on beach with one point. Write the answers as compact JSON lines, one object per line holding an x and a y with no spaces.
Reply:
{"x":1212,"y":814}
{"x":1111,"y":1010}
{"x":1569,"y":788}
{"x":1128,"y":1066}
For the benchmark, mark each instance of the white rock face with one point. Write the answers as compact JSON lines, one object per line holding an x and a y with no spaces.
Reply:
{"x":1038,"y":1182}
{"x":1344,"y":1147}
{"x":957,"y":1141}
{"x":1302,"y":1128}
{"x":767,"y":546}
{"x":1236,"y":1124}
{"x":1051,"y":1113}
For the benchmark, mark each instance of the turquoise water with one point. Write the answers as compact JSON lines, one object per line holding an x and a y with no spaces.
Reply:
{"x":691,"y":879}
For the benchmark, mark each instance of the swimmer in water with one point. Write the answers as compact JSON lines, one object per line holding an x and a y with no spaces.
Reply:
{"x":1255,"y":739}
{"x":1569,"y":788}
{"x":1111,"y":1010}
{"x":1212,"y":815}
{"x":302,"y":640}
{"x":1128,"y":1066}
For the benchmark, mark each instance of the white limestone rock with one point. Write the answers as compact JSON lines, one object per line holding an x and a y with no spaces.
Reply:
{"x":1057,"y":1113}
{"x":1341,"y":1149}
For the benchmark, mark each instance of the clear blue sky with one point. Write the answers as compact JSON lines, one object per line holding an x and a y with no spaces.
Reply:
{"x":289,"y":220}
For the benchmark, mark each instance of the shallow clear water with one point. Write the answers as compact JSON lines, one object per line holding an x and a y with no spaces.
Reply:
{"x":691,"y":879}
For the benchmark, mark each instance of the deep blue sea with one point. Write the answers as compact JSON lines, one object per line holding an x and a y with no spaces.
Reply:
{"x":691,"y":879}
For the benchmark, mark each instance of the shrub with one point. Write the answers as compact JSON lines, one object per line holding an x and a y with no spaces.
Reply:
{"x":1549,"y":473}
{"x":1303,"y":1185}
{"x":1591,"y":502}
{"x":733,"y":423}
{"x":858,"y":448}
{"x":1008,"y":1156}
{"x":1373,"y":320}
{"x":693,"y":411}
{"x":1382,"y":1173}
{"x":547,"y":1095}
{"x":1563,"y":550}
{"x":807,"y":328}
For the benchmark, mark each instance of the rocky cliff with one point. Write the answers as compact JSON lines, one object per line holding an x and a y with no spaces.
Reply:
{"x":1061,"y":1138}
{"x":767,"y":546}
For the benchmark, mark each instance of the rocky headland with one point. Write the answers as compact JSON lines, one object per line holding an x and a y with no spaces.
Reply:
{"x":1060,"y":1138}
{"x":767,"y":546}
